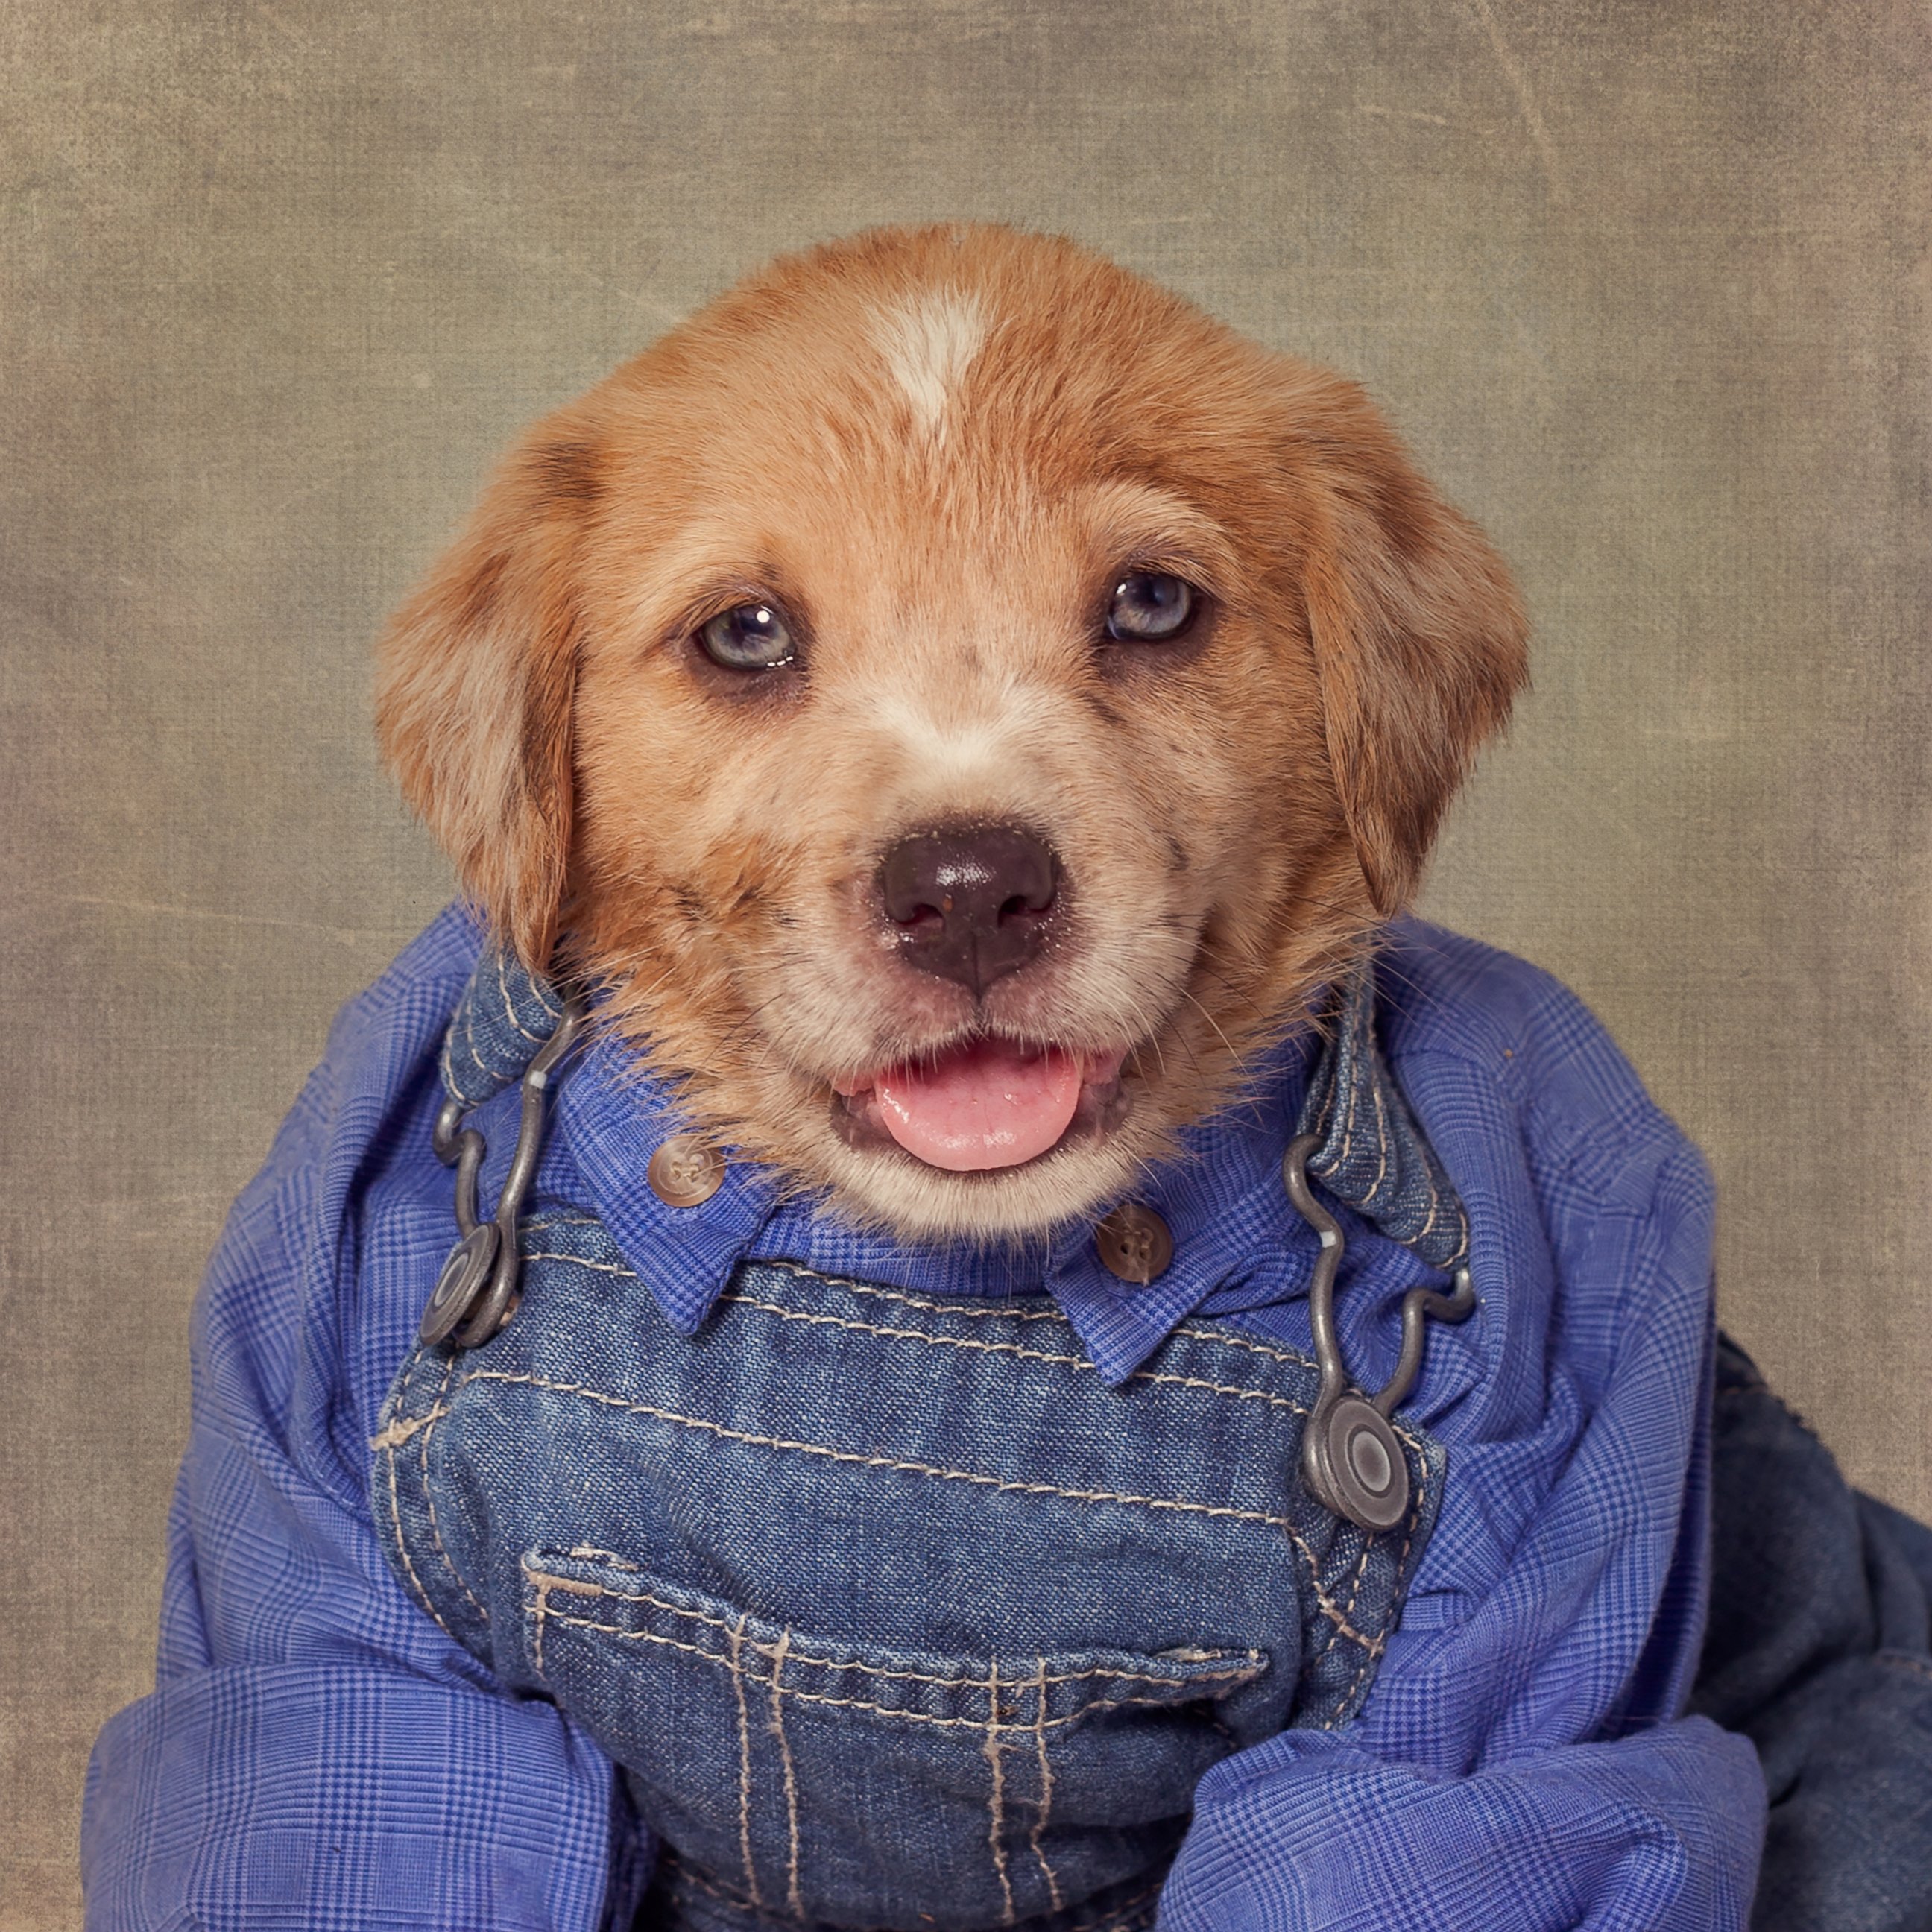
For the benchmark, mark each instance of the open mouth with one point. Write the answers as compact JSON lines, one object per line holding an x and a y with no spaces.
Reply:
{"x":983,"y":1105}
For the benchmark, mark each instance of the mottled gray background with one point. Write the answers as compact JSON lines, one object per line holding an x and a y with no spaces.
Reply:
{"x":1645,"y":283}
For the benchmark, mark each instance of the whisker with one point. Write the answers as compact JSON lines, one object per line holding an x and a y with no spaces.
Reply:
{"x":1234,"y":1058}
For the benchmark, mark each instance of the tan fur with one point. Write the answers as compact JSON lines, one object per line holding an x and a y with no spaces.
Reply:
{"x":1233,"y":817}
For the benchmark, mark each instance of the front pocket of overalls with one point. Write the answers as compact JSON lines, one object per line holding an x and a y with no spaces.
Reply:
{"x":829,"y":1778}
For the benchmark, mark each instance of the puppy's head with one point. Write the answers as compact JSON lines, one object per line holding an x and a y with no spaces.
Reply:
{"x":965,"y":700}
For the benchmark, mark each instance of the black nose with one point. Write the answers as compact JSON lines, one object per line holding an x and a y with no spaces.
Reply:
{"x":971,"y":903}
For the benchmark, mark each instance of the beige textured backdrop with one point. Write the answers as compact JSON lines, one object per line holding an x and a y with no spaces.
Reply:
{"x":1645,"y":283}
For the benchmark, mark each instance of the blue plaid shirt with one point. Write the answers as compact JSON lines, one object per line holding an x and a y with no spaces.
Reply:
{"x":318,"y":1754}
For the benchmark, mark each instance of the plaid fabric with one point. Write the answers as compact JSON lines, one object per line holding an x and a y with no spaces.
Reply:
{"x":318,"y":1754}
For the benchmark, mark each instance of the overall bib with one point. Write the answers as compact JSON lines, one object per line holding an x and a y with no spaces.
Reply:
{"x":893,"y":1613}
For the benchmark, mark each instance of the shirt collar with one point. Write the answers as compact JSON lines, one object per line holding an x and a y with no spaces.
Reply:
{"x":1221,"y":1197}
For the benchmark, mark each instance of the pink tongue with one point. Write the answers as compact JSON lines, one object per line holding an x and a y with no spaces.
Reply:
{"x":985,"y":1105}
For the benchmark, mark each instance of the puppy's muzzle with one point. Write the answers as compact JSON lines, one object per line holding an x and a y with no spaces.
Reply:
{"x":971,"y":903}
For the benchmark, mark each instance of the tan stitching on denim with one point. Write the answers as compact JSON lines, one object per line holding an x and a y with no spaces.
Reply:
{"x":1076,"y":1362}
{"x":541,"y":1607}
{"x":402,"y":1550}
{"x":1338,"y":1623}
{"x":1349,"y":1124}
{"x":1381,"y":1143}
{"x":798,"y":1696}
{"x":1356,"y":1578}
{"x":589,"y":1553}
{"x":429,"y":1495}
{"x":1288,"y":1356}
{"x":537,"y":994}
{"x":933,"y":1471}
{"x":1361,"y":1574}
{"x":999,"y":1311}
{"x":1044,"y":1808}
{"x":1255,"y":1661}
{"x":577,"y":1261}
{"x":779,"y":1653}
{"x":394,"y":1435}
{"x":508,"y":1009}
{"x":1372,"y":1652}
{"x":1371,"y":1656}
{"x":1283,"y":1355}
{"x":736,"y":1670}
{"x":398,"y":1432}
{"x":469,"y":1047}
{"x":1435,"y":1205}
{"x":996,"y":1799}
{"x":1273,"y":1355}
{"x":933,"y":1341}
{"x":1435,"y":1209}
{"x":1193,"y":1331}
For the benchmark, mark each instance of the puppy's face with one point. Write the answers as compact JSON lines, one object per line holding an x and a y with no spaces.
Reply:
{"x":964,"y":699}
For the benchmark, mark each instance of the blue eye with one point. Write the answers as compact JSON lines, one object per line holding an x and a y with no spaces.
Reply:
{"x":1148,"y":607}
{"x":750,"y":636}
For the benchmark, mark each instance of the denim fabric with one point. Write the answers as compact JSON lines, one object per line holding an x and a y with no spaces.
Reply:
{"x":505,"y":1014}
{"x":1371,"y":1154}
{"x":851,"y":1541}
{"x":1819,"y":1650}
{"x":319,"y":1752}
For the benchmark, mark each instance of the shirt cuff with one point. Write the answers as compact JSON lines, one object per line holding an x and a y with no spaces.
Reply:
{"x":1660,"y":1832}
{"x":319,"y":1798}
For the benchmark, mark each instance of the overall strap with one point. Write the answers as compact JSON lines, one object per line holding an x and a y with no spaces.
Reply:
{"x":505,"y":1015}
{"x":1358,"y":1138}
{"x":1369,"y":1152}
{"x":510,"y":1028}
{"x":1356,"y":1135}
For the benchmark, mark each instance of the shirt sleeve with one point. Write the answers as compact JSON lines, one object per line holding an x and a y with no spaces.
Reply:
{"x":1521,"y":1765}
{"x":1658,"y":1829}
{"x":316,"y":1753}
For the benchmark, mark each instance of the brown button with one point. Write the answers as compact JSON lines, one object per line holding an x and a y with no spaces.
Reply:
{"x":686,"y":1170}
{"x":1134,"y":1243}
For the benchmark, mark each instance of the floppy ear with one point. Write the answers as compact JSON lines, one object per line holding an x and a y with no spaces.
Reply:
{"x":475,"y":678}
{"x":1419,"y":639}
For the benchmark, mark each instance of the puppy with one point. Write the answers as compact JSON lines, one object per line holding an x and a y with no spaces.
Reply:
{"x":935,"y":557}
{"x":1043,"y":1356}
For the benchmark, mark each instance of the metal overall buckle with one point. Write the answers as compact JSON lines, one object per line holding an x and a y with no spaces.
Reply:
{"x":476,"y":1292}
{"x":1351,"y":1458}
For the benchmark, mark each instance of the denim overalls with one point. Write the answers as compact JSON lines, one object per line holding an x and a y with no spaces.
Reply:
{"x":893,"y":1613}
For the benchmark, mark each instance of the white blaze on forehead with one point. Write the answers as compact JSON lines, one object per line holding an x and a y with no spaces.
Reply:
{"x":928,"y":340}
